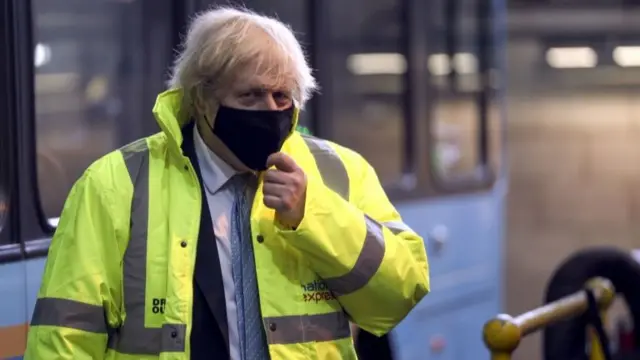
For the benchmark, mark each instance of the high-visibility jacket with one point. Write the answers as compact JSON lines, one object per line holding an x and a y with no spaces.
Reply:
{"x":125,"y":250}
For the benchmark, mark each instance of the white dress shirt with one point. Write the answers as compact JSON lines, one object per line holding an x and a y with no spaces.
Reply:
{"x":215,"y":173}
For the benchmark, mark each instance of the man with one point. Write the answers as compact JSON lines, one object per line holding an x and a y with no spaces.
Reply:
{"x":228,"y":235}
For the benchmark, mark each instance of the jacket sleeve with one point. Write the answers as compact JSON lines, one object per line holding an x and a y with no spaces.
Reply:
{"x":76,"y":302}
{"x":373,"y":263}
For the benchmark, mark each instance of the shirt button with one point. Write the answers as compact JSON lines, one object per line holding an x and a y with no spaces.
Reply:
{"x":272,"y":326}
{"x":186,"y":168}
{"x":174,"y":334}
{"x":183,"y":243}
{"x":260,"y":239}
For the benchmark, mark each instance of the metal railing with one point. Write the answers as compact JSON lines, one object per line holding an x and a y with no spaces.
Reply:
{"x":503,"y":334}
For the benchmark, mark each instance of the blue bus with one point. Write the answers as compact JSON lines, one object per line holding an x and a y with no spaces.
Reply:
{"x":414,"y":86}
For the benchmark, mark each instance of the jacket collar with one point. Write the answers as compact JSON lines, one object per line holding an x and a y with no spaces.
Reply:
{"x":169,"y":117}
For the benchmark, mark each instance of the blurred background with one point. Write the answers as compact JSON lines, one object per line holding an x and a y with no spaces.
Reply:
{"x":506,"y":131}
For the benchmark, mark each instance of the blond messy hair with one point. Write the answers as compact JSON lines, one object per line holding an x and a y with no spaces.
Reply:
{"x":226,"y":43}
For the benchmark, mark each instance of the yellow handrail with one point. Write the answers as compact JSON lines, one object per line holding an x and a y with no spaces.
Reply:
{"x":503,"y":333}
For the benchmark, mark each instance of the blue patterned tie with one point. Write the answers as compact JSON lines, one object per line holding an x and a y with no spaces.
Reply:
{"x":253,"y":344}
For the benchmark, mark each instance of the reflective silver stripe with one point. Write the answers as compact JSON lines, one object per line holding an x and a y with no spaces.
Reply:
{"x":307,"y":328}
{"x":366,"y":265}
{"x":334,"y":175}
{"x":397,"y":227}
{"x":333,"y":172}
{"x":69,"y":314}
{"x":133,"y":337}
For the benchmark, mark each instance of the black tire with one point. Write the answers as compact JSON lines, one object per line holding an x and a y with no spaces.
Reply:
{"x":566,"y":340}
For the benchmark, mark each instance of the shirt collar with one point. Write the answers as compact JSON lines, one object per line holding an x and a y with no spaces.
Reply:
{"x":215,"y":171}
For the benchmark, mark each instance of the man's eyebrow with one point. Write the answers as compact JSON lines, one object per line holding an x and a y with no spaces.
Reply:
{"x":263,"y":88}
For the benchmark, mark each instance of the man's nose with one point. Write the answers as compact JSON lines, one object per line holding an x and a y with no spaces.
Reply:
{"x":270,"y":102}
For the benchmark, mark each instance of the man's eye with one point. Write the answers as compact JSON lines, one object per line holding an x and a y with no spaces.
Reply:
{"x":281,"y":96}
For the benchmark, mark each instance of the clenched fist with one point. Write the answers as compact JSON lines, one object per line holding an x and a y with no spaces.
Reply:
{"x":285,"y":189}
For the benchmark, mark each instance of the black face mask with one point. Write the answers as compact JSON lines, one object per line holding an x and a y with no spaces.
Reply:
{"x":253,"y":135}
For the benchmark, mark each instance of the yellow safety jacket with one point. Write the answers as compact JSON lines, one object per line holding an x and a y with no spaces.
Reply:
{"x":127,"y":237}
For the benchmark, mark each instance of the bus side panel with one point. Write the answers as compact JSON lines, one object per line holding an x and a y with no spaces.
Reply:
{"x":463,"y":236}
{"x":34,"y":271}
{"x":13,"y":310}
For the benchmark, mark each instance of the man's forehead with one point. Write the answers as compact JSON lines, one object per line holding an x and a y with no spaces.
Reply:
{"x":269,"y":81}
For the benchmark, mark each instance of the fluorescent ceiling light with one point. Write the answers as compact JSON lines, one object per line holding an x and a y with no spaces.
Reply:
{"x":54,"y":221}
{"x":41,"y":55}
{"x":439,"y":64}
{"x":396,"y":64}
{"x":627,"y":56}
{"x":377,"y":64}
{"x":465,"y":63}
{"x":572,"y":57}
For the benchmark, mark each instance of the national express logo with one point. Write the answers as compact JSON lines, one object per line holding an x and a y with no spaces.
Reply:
{"x":316,"y":291}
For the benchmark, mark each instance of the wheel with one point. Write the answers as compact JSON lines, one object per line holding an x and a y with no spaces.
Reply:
{"x":566,"y":340}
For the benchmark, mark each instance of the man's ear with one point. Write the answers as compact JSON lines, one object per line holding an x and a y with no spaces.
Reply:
{"x":206,"y":107}
{"x":210,"y":113}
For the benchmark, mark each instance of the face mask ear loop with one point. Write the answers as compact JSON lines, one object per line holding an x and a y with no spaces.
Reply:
{"x":295,"y":117}
{"x":203,"y":108}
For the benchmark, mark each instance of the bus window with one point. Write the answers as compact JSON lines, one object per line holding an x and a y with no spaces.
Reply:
{"x":98,"y":67}
{"x":5,"y":158}
{"x":7,"y":137}
{"x":364,"y":62}
{"x":465,"y":119}
{"x":4,"y":191}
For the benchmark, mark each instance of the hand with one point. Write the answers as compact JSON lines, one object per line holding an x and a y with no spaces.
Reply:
{"x":285,"y":189}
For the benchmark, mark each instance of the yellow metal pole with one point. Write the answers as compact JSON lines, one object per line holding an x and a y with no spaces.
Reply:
{"x":500,"y":356}
{"x":502,"y":334}
{"x":595,"y":352}
{"x":607,"y":298}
